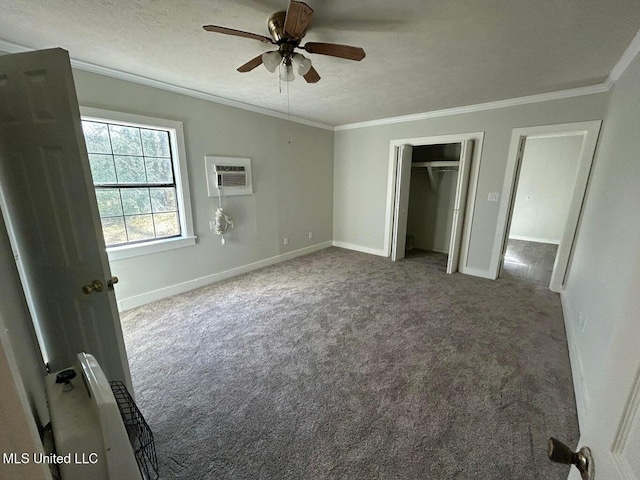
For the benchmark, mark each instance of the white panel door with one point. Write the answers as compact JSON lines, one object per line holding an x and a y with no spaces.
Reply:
{"x":610,"y":426}
{"x":403,"y":181}
{"x":50,"y":207}
{"x":459,"y":207}
{"x":522,"y":141}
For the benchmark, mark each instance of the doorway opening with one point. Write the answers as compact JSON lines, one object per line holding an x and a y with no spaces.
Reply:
{"x":545,"y":185}
{"x":432,"y":185}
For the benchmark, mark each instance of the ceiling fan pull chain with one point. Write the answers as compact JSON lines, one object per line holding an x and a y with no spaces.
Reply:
{"x":288,"y":103}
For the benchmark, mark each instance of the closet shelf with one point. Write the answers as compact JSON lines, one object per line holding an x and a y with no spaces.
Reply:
{"x":436,"y":166}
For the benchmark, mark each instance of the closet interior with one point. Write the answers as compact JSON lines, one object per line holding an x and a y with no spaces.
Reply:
{"x":432,"y":197}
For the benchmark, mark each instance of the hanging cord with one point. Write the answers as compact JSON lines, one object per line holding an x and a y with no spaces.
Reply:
{"x":222,"y":220}
{"x":288,"y":111}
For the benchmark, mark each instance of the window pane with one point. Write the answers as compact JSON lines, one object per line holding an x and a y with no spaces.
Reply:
{"x":125,"y":140}
{"x":130,"y":169}
{"x":166,"y":224}
{"x":163,"y":199}
{"x":135,"y":200}
{"x":114,"y":231}
{"x":159,"y":170}
{"x":135,"y":180}
{"x":139,"y":227}
{"x":102,"y":169}
{"x":96,"y":136}
{"x":109,"y":202}
{"x":155,"y":143}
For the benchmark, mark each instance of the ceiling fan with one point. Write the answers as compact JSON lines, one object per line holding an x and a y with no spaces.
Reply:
{"x":287,"y":30}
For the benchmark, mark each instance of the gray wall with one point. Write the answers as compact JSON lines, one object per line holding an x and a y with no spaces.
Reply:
{"x":292,"y":167}
{"x":545,"y":188}
{"x":603,"y":281}
{"x":361,"y":167}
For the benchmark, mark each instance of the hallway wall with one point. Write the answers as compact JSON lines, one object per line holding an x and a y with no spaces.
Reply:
{"x":545,"y":188}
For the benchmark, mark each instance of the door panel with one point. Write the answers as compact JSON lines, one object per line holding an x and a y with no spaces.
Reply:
{"x":459,"y":207}
{"x":50,"y":207}
{"x":403,"y":182}
{"x":512,"y":202}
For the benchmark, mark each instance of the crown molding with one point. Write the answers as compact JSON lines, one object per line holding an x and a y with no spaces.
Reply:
{"x":623,"y":63}
{"x":480,"y":107}
{"x":10,"y":47}
{"x":625,"y":60}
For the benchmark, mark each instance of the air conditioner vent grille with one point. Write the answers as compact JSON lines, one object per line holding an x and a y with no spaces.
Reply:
{"x":232,"y":179}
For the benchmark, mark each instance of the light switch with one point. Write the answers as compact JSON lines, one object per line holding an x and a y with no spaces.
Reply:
{"x":493,"y":196}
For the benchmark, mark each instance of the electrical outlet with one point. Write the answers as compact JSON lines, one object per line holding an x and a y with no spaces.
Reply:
{"x":286,"y":240}
{"x":310,"y":235}
{"x":493,"y":196}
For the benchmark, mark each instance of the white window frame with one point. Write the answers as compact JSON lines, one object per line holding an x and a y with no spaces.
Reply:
{"x":176,"y":138}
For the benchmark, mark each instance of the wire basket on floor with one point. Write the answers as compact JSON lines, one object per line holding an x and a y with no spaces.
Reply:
{"x":139,"y":432}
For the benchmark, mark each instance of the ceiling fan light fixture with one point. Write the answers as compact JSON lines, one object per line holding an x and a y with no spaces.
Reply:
{"x":287,"y":28}
{"x":301,"y":63}
{"x":286,"y":73}
{"x":271,"y":60}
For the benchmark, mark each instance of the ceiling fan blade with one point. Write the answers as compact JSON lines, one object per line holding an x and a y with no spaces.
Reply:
{"x":251,"y":64}
{"x":335,"y":50}
{"x":297,"y":20}
{"x":237,"y":33}
{"x":311,"y":76}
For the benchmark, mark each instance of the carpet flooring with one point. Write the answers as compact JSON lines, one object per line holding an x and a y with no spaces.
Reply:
{"x":343,"y":365}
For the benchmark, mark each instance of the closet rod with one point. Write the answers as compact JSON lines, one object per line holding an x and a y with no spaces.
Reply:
{"x":439,"y":166}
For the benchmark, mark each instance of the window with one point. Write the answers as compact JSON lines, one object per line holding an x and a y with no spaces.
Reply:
{"x":139,"y":174}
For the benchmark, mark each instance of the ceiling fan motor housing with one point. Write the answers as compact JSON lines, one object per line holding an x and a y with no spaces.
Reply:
{"x":276,"y":26}
{"x":286,"y":45}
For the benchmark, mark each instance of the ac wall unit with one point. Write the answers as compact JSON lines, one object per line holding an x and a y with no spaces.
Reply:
{"x":228,"y":176}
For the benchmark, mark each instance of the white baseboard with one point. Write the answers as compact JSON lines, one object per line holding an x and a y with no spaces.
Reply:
{"x":554,"y":241}
{"x":476,"y":272}
{"x":577,"y":370}
{"x":358,"y":248}
{"x":137,"y":300}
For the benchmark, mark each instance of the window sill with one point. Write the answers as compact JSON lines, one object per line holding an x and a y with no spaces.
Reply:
{"x":128,"y":251}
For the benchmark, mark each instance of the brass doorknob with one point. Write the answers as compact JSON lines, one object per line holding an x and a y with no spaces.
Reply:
{"x":112,"y":282}
{"x":582,"y":459}
{"x":95,"y":286}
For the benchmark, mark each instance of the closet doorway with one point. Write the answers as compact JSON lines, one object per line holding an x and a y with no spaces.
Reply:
{"x":545,"y":185}
{"x":433,"y":183}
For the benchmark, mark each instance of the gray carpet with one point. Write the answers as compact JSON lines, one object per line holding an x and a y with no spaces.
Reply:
{"x":343,"y":365}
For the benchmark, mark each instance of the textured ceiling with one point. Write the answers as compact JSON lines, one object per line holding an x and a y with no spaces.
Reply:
{"x":422,"y":55}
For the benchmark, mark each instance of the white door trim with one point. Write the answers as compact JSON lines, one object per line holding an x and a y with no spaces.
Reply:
{"x":477,"y":138}
{"x":589,"y":131}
